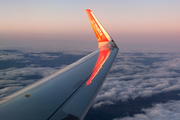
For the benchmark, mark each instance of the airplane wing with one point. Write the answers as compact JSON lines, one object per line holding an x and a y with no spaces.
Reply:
{"x":68,"y":93}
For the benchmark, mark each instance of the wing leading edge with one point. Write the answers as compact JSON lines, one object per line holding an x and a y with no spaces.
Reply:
{"x":68,"y":93}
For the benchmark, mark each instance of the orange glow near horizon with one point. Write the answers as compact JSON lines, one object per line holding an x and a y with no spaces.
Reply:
{"x":127,"y":27}
{"x":61,"y":20}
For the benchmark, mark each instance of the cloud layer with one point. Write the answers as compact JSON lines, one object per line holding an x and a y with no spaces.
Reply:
{"x":166,"y":111}
{"x":133,"y":75}
{"x":140,"y":75}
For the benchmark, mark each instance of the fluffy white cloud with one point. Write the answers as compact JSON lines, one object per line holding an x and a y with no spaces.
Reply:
{"x":10,"y":55}
{"x":162,"y":111}
{"x":13,"y":79}
{"x":130,"y":78}
{"x":11,"y":73}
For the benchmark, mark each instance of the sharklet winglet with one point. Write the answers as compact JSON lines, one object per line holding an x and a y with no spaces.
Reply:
{"x":101,"y":34}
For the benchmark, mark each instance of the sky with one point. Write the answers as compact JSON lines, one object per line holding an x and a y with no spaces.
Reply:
{"x":153,"y":24}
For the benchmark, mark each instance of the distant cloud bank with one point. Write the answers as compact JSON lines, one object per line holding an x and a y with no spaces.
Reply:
{"x":166,"y":111}
{"x":140,"y":75}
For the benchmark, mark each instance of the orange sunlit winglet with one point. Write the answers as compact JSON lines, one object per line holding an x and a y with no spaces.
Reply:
{"x":100,"y":32}
{"x":105,"y":43}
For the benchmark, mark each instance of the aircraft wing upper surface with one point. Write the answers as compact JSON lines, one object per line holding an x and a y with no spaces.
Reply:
{"x":68,"y":93}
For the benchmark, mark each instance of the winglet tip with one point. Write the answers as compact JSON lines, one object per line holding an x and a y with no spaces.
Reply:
{"x":100,"y":32}
{"x":88,"y":10}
